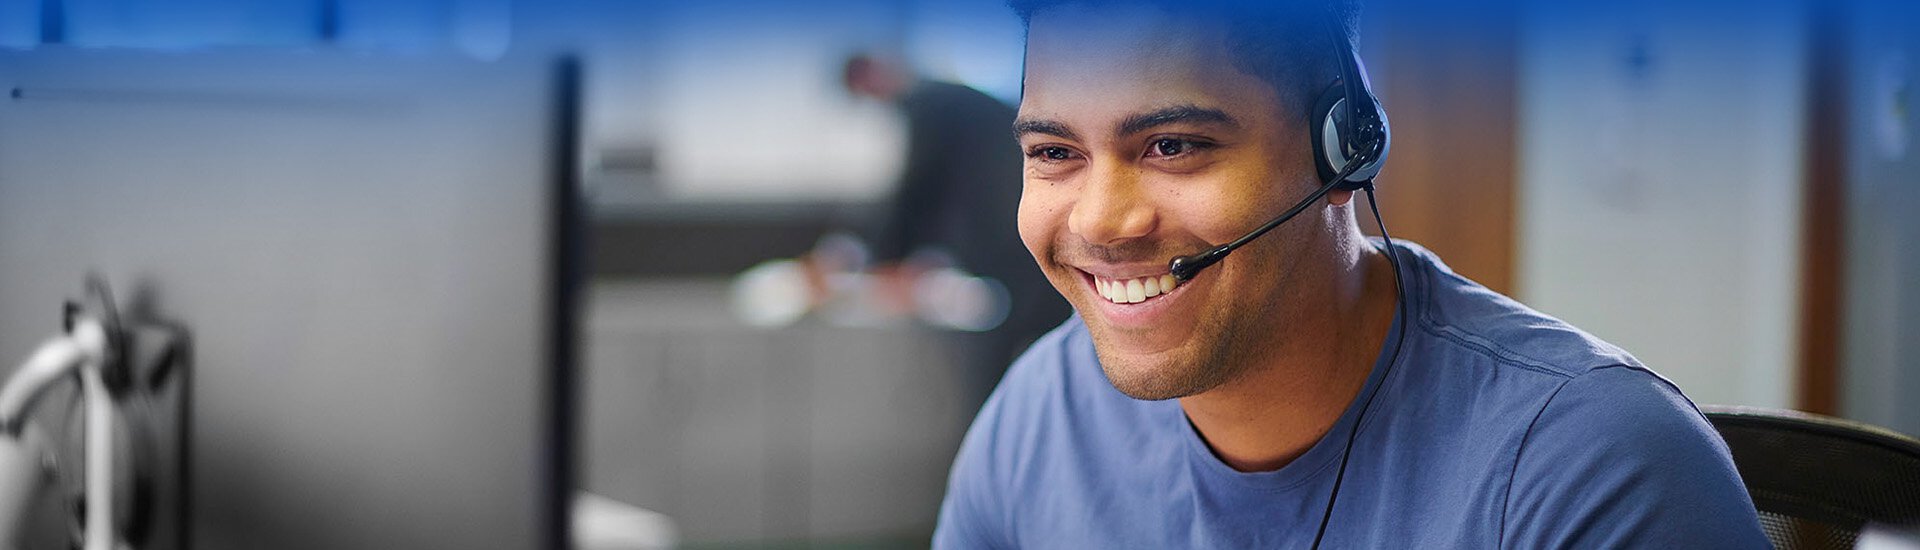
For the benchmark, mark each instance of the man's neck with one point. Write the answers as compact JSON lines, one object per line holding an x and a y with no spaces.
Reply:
{"x":1272,"y":414}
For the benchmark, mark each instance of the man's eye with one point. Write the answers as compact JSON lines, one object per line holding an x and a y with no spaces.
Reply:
{"x":1169,"y":147}
{"x":1050,"y":153}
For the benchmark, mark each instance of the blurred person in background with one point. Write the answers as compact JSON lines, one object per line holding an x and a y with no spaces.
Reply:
{"x":955,"y":206}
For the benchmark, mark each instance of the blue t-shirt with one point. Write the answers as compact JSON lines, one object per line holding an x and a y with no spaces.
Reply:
{"x":1500,"y":427}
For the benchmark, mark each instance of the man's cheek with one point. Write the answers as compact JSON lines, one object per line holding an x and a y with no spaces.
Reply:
{"x":1034,"y":227}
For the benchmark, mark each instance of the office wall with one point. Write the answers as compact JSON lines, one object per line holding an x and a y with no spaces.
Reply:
{"x":727,"y":101}
{"x":1881,"y":311}
{"x":1445,"y":74}
{"x":1660,"y":169}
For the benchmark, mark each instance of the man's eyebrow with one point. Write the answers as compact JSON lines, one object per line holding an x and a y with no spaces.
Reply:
{"x":1171,"y":115}
{"x":1048,"y":127}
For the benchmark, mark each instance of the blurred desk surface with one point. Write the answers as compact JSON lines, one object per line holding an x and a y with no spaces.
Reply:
{"x":691,"y":239}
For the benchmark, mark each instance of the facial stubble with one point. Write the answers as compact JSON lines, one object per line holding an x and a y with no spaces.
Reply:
{"x":1223,"y":350}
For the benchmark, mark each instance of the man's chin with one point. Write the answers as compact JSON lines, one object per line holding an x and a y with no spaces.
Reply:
{"x":1160,"y":343}
{"x":1152,"y":379}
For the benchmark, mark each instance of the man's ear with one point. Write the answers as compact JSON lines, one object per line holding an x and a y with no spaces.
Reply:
{"x":1339,"y":197}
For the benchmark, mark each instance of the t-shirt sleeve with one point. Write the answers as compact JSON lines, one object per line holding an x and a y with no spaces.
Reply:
{"x":969,"y":515}
{"x":974,"y":514}
{"x":1617,"y":458}
{"x":981,"y":489}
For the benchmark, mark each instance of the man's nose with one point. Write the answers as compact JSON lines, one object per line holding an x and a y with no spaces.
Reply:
{"x":1112,"y":207}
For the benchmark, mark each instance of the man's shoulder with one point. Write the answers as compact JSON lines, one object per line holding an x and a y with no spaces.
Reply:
{"x":1615,"y":448}
{"x":1053,"y":365}
{"x":1601,"y":440}
{"x":1577,"y":390}
{"x":1055,"y":386}
{"x":1030,"y":402}
{"x":1471,"y":317}
{"x":1572,"y":380}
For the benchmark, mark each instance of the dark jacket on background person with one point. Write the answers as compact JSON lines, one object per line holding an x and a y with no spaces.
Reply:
{"x":960,"y":191}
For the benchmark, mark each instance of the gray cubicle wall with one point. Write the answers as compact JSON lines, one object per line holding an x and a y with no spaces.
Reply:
{"x":750,"y":435}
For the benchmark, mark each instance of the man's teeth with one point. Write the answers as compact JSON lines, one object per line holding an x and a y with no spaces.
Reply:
{"x":1133,"y":291}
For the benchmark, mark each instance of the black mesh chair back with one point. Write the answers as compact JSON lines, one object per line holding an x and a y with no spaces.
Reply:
{"x":1816,"y":480}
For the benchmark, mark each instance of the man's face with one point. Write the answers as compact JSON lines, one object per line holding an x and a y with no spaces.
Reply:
{"x":1145,"y":142}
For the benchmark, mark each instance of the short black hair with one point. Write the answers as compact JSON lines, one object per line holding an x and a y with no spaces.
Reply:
{"x":1289,"y":44}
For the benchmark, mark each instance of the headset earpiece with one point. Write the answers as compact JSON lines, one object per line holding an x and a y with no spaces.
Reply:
{"x":1337,"y":140}
{"x":1325,"y":125}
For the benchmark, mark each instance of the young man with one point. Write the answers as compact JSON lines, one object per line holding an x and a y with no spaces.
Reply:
{"x":1218,"y":412}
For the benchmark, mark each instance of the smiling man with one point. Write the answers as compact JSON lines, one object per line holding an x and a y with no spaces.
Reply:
{"x":1297,"y":388}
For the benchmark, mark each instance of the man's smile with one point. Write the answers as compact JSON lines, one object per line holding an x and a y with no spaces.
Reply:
{"x":1128,"y":299}
{"x":1134,"y":290}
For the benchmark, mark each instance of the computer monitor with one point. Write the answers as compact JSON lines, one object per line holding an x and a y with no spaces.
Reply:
{"x":373,"y":256}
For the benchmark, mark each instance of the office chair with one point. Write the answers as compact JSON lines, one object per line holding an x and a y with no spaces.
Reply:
{"x":1818,"y":481}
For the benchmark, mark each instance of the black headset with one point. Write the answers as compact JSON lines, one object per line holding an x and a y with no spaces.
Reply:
{"x":1350,"y":125}
{"x":1350,"y":141}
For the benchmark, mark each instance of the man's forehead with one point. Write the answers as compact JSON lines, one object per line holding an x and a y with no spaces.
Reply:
{"x":1091,"y":65}
{"x":1120,"y":35}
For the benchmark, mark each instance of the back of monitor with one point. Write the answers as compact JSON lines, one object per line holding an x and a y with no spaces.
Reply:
{"x":361,"y":248}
